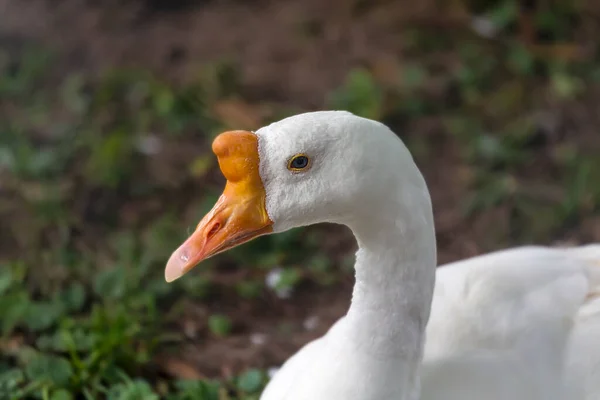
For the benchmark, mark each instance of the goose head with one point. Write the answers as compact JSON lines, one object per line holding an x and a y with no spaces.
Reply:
{"x":327,"y":166}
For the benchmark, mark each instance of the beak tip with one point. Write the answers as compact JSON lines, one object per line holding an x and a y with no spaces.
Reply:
{"x":170,"y":278}
{"x":174,"y":269}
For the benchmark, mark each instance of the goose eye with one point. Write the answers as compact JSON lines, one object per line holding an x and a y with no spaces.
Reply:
{"x":298,"y":162}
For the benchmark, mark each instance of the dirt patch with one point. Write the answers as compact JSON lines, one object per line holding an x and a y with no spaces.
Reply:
{"x":288,"y":51}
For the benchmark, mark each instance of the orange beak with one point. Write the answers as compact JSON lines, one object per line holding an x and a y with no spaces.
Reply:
{"x":240,"y":213}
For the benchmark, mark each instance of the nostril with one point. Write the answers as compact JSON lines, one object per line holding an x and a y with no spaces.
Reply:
{"x":184,"y":256}
{"x":213,"y":229}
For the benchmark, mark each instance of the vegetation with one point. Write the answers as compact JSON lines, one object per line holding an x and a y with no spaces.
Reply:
{"x":102,"y":178}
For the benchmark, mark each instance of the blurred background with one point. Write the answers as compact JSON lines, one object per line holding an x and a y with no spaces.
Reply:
{"x":107,"y":112}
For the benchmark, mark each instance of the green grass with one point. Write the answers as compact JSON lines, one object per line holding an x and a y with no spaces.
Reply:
{"x":84,"y":312}
{"x":102,"y":178}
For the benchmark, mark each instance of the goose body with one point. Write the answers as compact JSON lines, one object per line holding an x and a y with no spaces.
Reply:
{"x":505,"y":320}
{"x":522,"y":323}
{"x":501,"y":327}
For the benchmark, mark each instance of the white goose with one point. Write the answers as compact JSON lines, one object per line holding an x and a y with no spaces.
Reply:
{"x":503,"y":326}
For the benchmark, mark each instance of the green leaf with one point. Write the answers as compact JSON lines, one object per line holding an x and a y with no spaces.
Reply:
{"x":61,"y":394}
{"x":110,"y":283}
{"x":219,"y":324}
{"x":10,"y":380}
{"x":111,"y":158}
{"x":164,"y":100}
{"x":51,"y":369}
{"x":288,"y":279}
{"x":198,"y":286}
{"x":73,"y":94}
{"x":125,"y":244}
{"x":6,"y":280}
{"x":414,"y":76}
{"x":134,"y":390}
{"x":566,"y":86}
{"x":13,"y":309}
{"x":359,"y":95}
{"x":7,"y":158}
{"x":504,"y":14}
{"x":197,"y":390}
{"x":201,"y":165}
{"x":42,"y":316}
{"x":251,"y":381}
{"x":320,"y":263}
{"x":249,"y":288}
{"x":64,"y":340}
{"x":74,"y":297}
{"x":520,"y":59}
{"x":42,"y":161}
